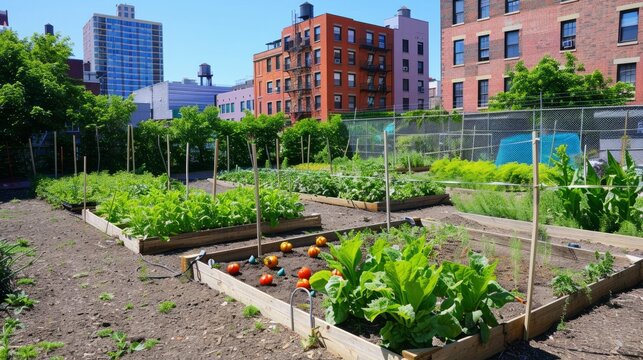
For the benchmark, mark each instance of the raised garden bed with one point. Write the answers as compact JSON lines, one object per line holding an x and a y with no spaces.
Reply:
{"x":78,"y":208}
{"x":272,"y":301}
{"x":155,"y":245}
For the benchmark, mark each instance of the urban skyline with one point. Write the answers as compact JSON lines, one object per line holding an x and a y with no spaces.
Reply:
{"x":204,"y":35}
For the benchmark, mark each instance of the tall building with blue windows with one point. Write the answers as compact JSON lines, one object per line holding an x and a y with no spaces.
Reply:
{"x":125,"y":53}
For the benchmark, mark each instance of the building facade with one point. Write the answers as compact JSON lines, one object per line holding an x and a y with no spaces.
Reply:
{"x":4,"y":20}
{"x":483,"y":39}
{"x":124,"y":52}
{"x":325,"y":64}
{"x":233,"y":104}
{"x":411,"y":66}
{"x":165,"y":99}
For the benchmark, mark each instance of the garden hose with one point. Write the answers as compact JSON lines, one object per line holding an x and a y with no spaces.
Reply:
{"x":176,"y":274}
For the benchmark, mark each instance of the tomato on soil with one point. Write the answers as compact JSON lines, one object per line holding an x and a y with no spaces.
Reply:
{"x":265,"y":279}
{"x":233,"y":268}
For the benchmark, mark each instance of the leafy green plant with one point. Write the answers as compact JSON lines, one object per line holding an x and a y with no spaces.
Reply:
{"x":124,"y":347}
{"x":25,"y":281}
{"x":128,"y":306}
{"x":103,"y":333}
{"x":250,"y":311}
{"x":8,"y":328}
{"x":26,"y":352}
{"x":48,"y":346}
{"x":566,"y":283}
{"x":106,"y":296}
{"x":166,"y":306}
{"x":602,"y":268}
{"x":259,"y":326}
{"x":19,"y":301}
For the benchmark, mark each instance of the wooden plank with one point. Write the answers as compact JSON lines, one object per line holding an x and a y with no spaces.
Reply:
{"x":102,"y":224}
{"x":216,"y":236}
{"x":340,"y":202}
{"x":514,"y":329}
{"x":472,"y":348}
{"x":416,"y":202}
{"x":560,"y":232}
{"x":336,"y":340}
{"x":419,"y":354}
{"x":273,"y":246}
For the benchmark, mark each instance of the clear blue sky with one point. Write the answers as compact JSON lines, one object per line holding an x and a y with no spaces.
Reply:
{"x":222,"y":33}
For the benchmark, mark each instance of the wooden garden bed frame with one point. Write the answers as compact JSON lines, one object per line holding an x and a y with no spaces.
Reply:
{"x":157,"y":245}
{"x":396,"y":205}
{"x":350,"y":346}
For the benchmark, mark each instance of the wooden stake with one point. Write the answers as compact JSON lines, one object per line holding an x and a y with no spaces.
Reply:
{"x":534,"y":233}
{"x":128,"y":147}
{"x":330,"y":155}
{"x":277,"y":158}
{"x":62,"y":161}
{"x":33,"y":161}
{"x":301,"y":139}
{"x":55,"y":154}
{"x":268,"y":155}
{"x":187,"y":170}
{"x":75,"y":159}
{"x":98,"y":149}
{"x":84,"y":188}
{"x":214,"y":173}
{"x":167,"y":140}
{"x":257,"y":202}
{"x":553,"y":143}
{"x":473,"y":142}
{"x":308,"y":158}
{"x":133,"y":153}
{"x":386,"y":182}
{"x":227,"y":151}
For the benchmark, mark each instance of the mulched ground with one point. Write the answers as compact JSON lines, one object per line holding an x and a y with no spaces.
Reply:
{"x":78,"y":264}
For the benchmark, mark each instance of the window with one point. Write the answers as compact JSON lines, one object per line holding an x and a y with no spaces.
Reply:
{"x":420,"y":67}
{"x":483,"y":93}
{"x":287,"y":106}
{"x":381,"y":41}
{"x":338,"y":101}
{"x":483,"y":48}
{"x":287,"y":84}
{"x":383,"y":102}
{"x":307,"y":34}
{"x":317,"y":56}
{"x":351,"y":80}
{"x":317,"y":33}
{"x":370,"y":101}
{"x":351,"y":58}
{"x":337,"y":55}
{"x":458,"y":95}
{"x":278,"y":106}
{"x":507,"y":85}
{"x":369,"y":38}
{"x":242,"y":106}
{"x":382,"y":62}
{"x":351,"y":102}
{"x":405,"y":45}
{"x":269,"y":87}
{"x":337,"y":78}
{"x":512,"y":44}
{"x":420,"y":48}
{"x":269,"y":108}
{"x":421,"y":86}
{"x":317,"y":79}
{"x":337,"y":33}
{"x":458,"y":12}
{"x":405,"y":84}
{"x":420,"y":104}
{"x":278,"y":86}
{"x":307,"y":59}
{"x":308,"y":81}
{"x":269,"y":64}
{"x":287,"y":63}
{"x":277,"y":62}
{"x":227,"y":108}
{"x":483,"y":9}
{"x":250,"y":104}
{"x":351,"y":36}
{"x":629,"y":26}
{"x":307,"y":101}
{"x":369,"y":59}
{"x":381,"y":83}
{"x":317,"y":102}
{"x":458,"y":52}
{"x":405,"y":65}
{"x":568,"y":35}
{"x":627,"y":73}
{"x":512,"y":6}
{"x":405,"y":104}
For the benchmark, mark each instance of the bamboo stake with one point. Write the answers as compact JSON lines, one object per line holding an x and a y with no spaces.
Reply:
{"x":187,"y":170}
{"x":128,"y":147}
{"x":75,"y":159}
{"x":308,"y":158}
{"x":133,"y":153}
{"x":85,"y":188}
{"x":227,"y":152}
{"x":347,"y":145}
{"x":62,"y":161}
{"x":386,"y":182}
{"x":408,"y":157}
{"x":55,"y":154}
{"x":97,"y":148}
{"x":277,"y":158}
{"x":167,"y":140}
{"x":33,"y":161}
{"x":534,"y":234}
{"x":330,"y":155}
{"x":257,"y":203}
{"x":214,"y":174}
{"x":268,"y":155}
{"x":301,"y":139}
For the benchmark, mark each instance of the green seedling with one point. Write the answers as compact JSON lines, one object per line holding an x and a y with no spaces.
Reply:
{"x":47,"y":346}
{"x":229,"y":299}
{"x":129,"y":306}
{"x":25,"y":281}
{"x":166,"y":306}
{"x":106,"y":296}
{"x":259,"y":326}
{"x":250,"y":311}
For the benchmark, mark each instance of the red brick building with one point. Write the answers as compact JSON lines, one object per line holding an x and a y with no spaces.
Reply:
{"x":482,"y":39}
{"x":324,"y":64}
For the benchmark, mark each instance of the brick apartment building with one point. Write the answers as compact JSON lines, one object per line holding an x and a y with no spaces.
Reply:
{"x":482,"y":39}
{"x":324,"y":64}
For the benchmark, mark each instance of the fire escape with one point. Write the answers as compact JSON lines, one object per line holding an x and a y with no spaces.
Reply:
{"x":299,"y":69}
{"x":377,"y":70}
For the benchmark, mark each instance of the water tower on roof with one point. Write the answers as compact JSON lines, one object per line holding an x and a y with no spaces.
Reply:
{"x":404,"y":12}
{"x":205,"y":71}
{"x":306,"y":11}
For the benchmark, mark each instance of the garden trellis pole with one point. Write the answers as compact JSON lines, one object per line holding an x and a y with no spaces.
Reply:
{"x":553,"y":143}
{"x":257,"y":202}
{"x":386,"y":182}
{"x":308,"y":150}
{"x":330,"y":155}
{"x":301,"y":140}
{"x":167,"y":140}
{"x":84,"y":188}
{"x":227,"y":151}
{"x":214,"y":172}
{"x":56,"y":154}
{"x":187,"y":169}
{"x":277,"y":159}
{"x":534,"y":232}
{"x":473,"y":142}
{"x":75,"y":159}
{"x":33,"y":161}
{"x":133,"y":153}
{"x":62,"y":161}
{"x":128,"y":147}
{"x":268,"y":155}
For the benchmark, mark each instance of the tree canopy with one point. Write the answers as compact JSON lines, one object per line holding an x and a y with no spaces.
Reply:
{"x":562,"y":85}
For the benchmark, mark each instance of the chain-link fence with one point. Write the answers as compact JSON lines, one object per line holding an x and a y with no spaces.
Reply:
{"x":503,"y":137}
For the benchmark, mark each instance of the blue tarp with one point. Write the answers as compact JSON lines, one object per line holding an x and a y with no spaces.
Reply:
{"x":518,"y":148}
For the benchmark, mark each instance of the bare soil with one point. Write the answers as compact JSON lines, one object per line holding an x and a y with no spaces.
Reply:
{"x":78,"y":263}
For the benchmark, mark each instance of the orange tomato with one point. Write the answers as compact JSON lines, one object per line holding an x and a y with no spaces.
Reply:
{"x":271,"y":261}
{"x":304,"y":273}
{"x":285,"y":247}
{"x":233,"y":268}
{"x":313,"y":251}
{"x":303,"y":283}
{"x":265,"y":279}
{"x":320,"y":241}
{"x":336,"y":272}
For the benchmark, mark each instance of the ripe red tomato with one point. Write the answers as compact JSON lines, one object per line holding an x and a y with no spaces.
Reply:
{"x":265,"y":279}
{"x":303,"y":283}
{"x":304,"y":273}
{"x":336,"y":272}
{"x":313,"y":251}
{"x":233,"y":268}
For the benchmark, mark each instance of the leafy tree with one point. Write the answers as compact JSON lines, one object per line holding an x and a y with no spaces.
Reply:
{"x":264,"y":129}
{"x":334,"y":130}
{"x":561,"y":86}
{"x":197,"y":128}
{"x":150,"y":141}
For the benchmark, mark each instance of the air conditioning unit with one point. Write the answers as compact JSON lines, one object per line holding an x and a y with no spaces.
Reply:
{"x":568,"y":44}
{"x":338,"y":61}
{"x":405,"y":68}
